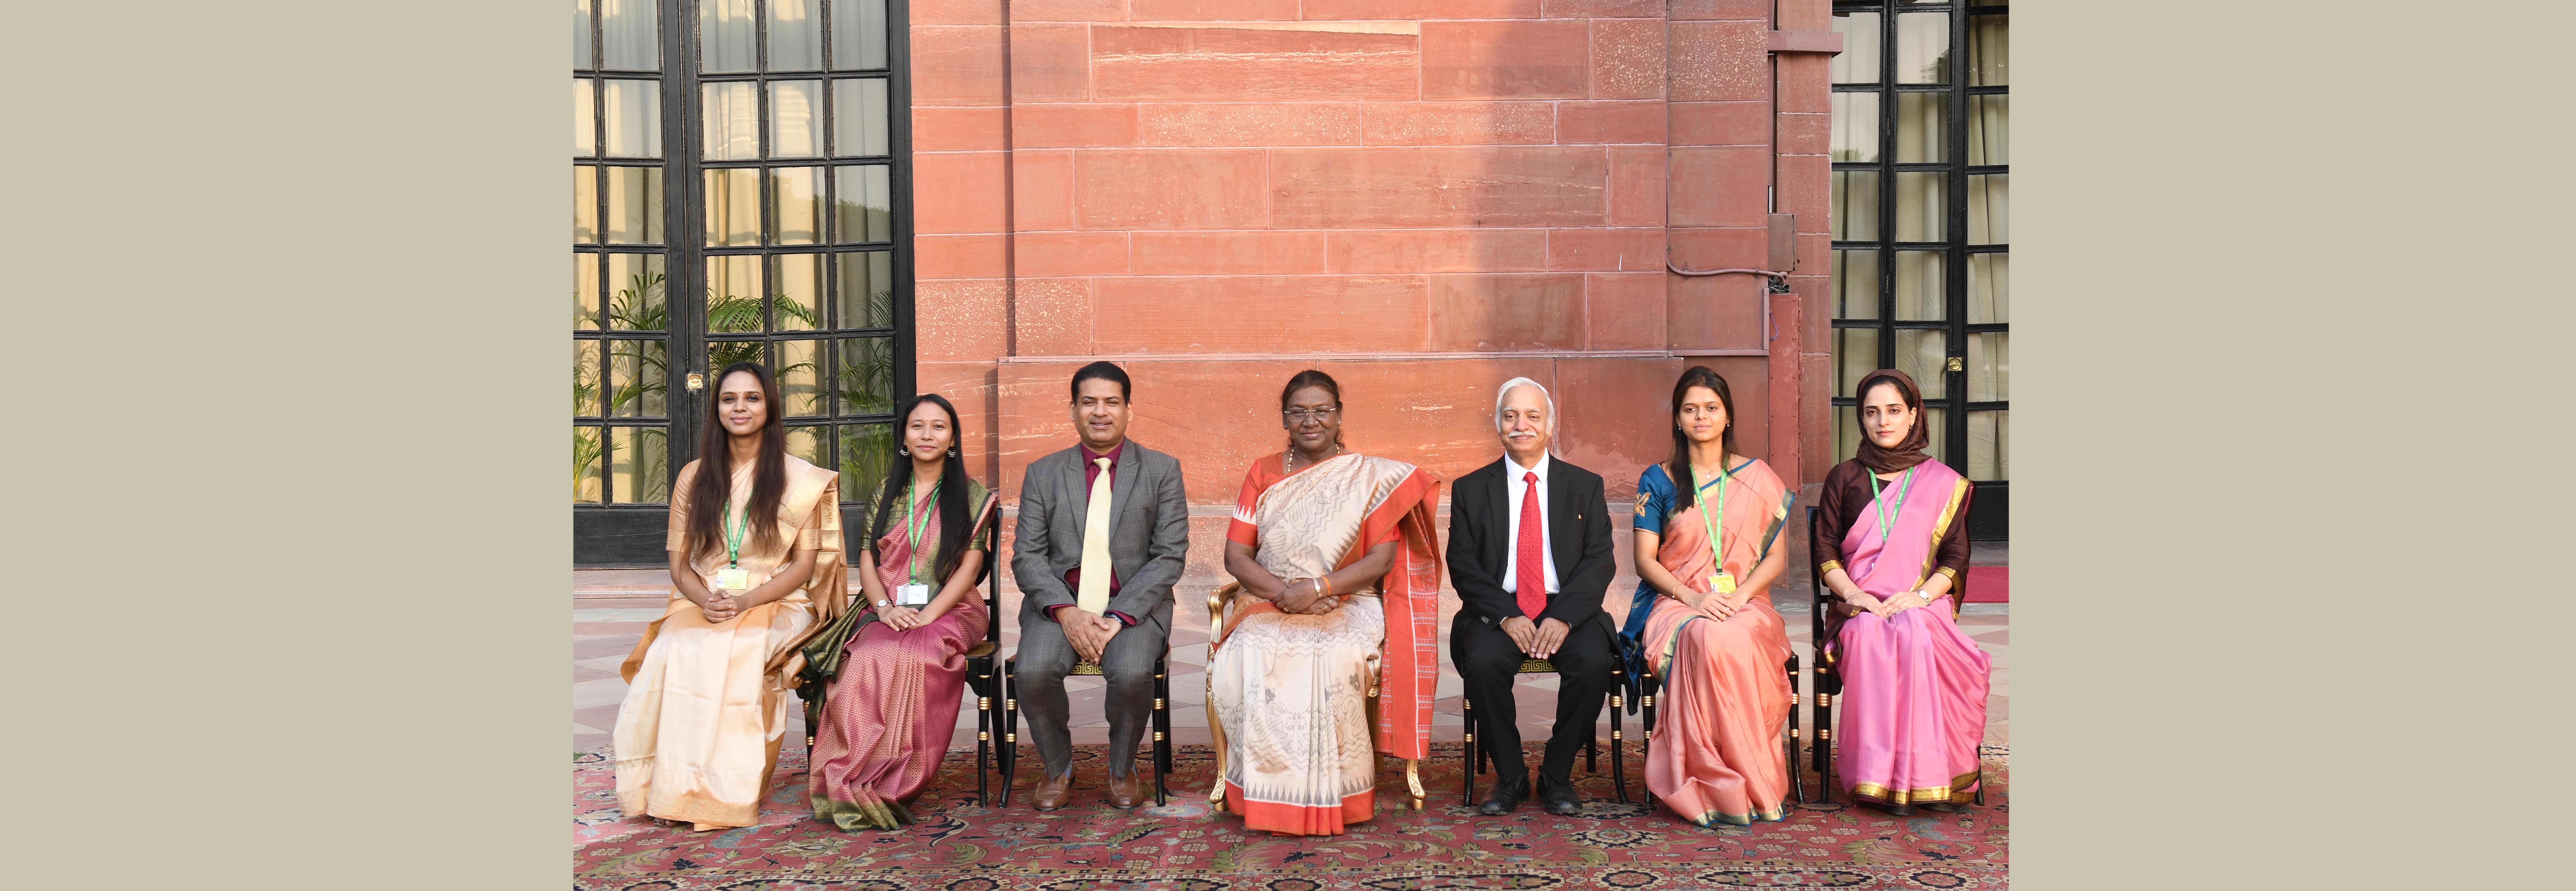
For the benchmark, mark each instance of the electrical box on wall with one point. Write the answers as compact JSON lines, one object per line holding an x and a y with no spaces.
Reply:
{"x":1784,"y":243}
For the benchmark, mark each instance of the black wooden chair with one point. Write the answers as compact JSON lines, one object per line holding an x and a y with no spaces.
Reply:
{"x":979,"y":678}
{"x":1162,"y":722}
{"x":1476,"y":755}
{"x":1830,"y":685}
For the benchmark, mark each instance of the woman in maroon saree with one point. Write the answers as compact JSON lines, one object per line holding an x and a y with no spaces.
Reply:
{"x":892,"y":706}
{"x":1894,"y":547}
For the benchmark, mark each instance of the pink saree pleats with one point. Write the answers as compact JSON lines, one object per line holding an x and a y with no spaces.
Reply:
{"x":890,"y":716}
{"x":1913,"y":707}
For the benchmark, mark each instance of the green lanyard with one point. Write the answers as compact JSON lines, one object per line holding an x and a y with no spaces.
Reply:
{"x":1715,"y":528}
{"x":1886,"y":518}
{"x":912,"y":530}
{"x":733,"y":537}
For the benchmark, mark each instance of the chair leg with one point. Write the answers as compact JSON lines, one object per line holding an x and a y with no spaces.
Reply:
{"x":1646,"y":716}
{"x":1467,"y":777}
{"x":983,"y":740}
{"x":1618,"y":769}
{"x":1162,"y":755}
{"x":1824,"y":756}
{"x":1794,"y":784}
{"x":1010,"y":731}
{"x":1981,"y":779}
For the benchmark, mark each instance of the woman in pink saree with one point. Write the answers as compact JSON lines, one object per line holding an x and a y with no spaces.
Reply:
{"x":1705,"y":556}
{"x":896,"y":687}
{"x":1893,"y":546}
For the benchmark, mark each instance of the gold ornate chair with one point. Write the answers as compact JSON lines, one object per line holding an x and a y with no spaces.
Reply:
{"x":1218,"y":601}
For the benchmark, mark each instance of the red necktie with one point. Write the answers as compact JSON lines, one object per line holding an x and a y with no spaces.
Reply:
{"x":1528,"y":570}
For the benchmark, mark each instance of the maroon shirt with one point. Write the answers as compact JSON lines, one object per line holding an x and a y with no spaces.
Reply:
{"x":1091,"y":477}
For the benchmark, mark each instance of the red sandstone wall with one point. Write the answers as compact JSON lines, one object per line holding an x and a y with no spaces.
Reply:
{"x":1422,"y":197}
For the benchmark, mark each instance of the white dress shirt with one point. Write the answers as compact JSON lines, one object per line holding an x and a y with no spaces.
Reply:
{"x":1516,"y":487}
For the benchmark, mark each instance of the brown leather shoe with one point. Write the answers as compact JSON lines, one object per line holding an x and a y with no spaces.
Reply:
{"x":1053,"y":792}
{"x":1127,"y":791}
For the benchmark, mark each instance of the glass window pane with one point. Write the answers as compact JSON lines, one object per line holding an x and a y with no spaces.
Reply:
{"x":639,"y":464}
{"x":635,"y":293}
{"x":1922,"y":131}
{"x":800,"y":377}
{"x":733,"y":296}
{"x":628,"y":37}
{"x":1858,"y":62}
{"x":1990,"y":445}
{"x":1855,"y":205}
{"x":1921,"y":206}
{"x":1855,"y":127}
{"x":858,"y":39}
{"x":1989,"y":367}
{"x":638,"y":379}
{"x":814,"y":444}
{"x":581,"y":33}
{"x":796,"y":119}
{"x":1989,"y":291}
{"x":585,"y":378}
{"x":733,"y":207}
{"x":1935,"y":422}
{"x":866,"y":289}
{"x":1919,"y":286}
{"x":732,"y":121}
{"x":728,"y":36}
{"x":1925,"y":355}
{"x":860,"y":125}
{"x":1856,"y":284}
{"x":1989,"y":130}
{"x":1922,"y":48}
{"x":861,"y":202}
{"x":585,"y":465}
{"x":585,"y":292}
{"x":795,"y":35}
{"x":1990,"y":209}
{"x":1855,"y":356}
{"x":866,"y":450}
{"x":797,"y":193}
{"x":634,"y":118}
{"x":635,"y":205}
{"x":866,"y":379}
{"x":585,"y":120}
{"x":796,"y":293}
{"x":585,"y":205}
{"x":1989,"y":51}
{"x":723,"y":353}
{"x":1846,"y":433}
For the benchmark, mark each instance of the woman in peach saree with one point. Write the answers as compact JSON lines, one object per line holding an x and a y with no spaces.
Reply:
{"x":755,"y":543}
{"x":1705,"y":618}
{"x":1337,"y":598}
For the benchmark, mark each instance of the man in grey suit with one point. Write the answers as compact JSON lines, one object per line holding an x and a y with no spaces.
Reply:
{"x":1103,"y":530}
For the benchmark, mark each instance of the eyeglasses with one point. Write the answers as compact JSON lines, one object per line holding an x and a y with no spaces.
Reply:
{"x":1302,"y":415}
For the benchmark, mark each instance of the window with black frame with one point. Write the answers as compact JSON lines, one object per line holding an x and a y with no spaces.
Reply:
{"x":1922,"y":224}
{"x":784,"y":127}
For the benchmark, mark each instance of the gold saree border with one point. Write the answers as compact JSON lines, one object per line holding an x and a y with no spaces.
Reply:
{"x":1961,"y":790}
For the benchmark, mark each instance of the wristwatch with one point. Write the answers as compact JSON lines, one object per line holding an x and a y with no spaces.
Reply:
{"x":884,"y":603}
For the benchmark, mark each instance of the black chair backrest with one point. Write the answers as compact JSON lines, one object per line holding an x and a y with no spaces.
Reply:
{"x":1823,"y":598}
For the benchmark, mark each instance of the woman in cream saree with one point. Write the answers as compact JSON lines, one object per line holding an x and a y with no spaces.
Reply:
{"x":710,"y":682}
{"x":1334,"y":618}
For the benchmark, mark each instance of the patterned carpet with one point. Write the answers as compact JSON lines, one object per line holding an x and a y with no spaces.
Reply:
{"x":1089,"y":846}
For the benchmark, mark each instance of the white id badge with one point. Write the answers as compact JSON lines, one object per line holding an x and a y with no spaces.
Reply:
{"x":733,"y":579}
{"x":912,"y":595}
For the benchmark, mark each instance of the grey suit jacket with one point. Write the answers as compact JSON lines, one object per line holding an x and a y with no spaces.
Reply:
{"x":1149,"y":533}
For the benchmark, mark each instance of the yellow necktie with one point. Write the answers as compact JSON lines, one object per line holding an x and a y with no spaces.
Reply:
{"x":1094,"y":596}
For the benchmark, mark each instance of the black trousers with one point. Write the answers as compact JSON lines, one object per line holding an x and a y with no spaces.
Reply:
{"x":1488,"y":662}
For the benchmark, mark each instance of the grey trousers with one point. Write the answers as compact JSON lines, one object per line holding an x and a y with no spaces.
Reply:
{"x":1127,"y":664}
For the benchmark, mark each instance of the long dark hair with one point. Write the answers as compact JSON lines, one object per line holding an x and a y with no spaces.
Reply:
{"x":1680,"y":469}
{"x":952,"y":489}
{"x":711,"y":492}
{"x":1313,"y":378}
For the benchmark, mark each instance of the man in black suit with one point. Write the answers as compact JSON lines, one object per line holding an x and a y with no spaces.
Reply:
{"x":1530,"y":555}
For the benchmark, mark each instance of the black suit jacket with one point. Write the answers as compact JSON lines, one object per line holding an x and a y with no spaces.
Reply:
{"x":1578,"y":530}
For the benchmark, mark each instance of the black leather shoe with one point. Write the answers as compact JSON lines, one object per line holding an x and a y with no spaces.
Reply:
{"x":1504,"y":798}
{"x":1560,"y":798}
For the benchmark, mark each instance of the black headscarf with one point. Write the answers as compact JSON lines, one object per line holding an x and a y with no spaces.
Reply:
{"x":1907,"y":453}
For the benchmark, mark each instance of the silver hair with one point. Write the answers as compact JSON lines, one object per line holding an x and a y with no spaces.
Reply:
{"x":1506,"y":392}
